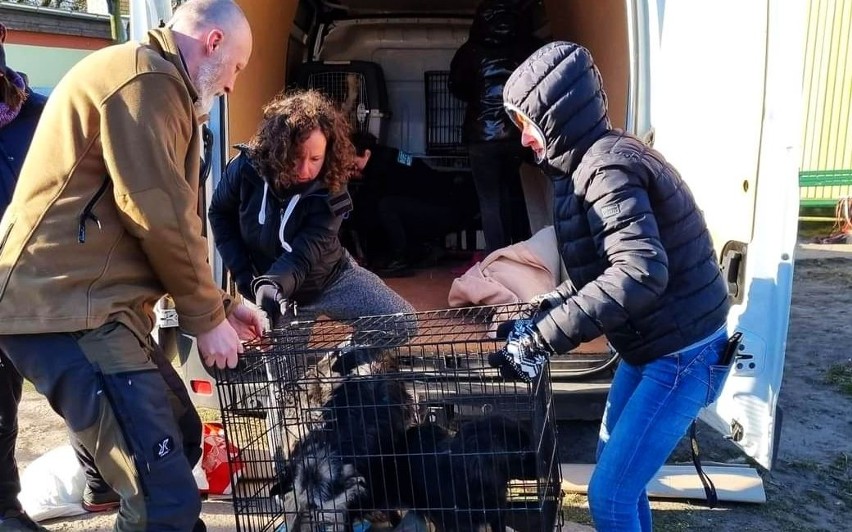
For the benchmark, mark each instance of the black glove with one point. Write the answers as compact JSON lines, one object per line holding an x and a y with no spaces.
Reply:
{"x":525,"y":353}
{"x":269,"y":298}
{"x":540,"y":303}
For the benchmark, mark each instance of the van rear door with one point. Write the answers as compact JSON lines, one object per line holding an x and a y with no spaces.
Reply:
{"x":723,"y":90}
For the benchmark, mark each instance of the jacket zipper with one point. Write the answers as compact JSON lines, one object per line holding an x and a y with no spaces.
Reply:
{"x":87,"y":213}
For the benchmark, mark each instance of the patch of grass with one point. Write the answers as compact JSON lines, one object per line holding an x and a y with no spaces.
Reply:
{"x":810,"y":230}
{"x":840,"y":375}
{"x":575,"y":509}
{"x":209,"y":415}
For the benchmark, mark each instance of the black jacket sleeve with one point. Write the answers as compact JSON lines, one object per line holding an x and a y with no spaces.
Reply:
{"x":462,"y":73}
{"x":625,"y":233}
{"x":316,"y":234}
{"x":224,"y":216}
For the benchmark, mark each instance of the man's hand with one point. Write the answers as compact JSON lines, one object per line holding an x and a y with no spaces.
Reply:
{"x":524,"y":355}
{"x":248,"y":323}
{"x":220,"y":346}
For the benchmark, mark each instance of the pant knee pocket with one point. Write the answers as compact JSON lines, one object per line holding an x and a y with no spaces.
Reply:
{"x":145,"y":416}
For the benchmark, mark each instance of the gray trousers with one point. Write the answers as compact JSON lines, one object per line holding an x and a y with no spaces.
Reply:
{"x":358,"y":292}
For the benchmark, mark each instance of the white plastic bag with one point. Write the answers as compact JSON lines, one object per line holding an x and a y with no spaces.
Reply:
{"x":52,"y":485}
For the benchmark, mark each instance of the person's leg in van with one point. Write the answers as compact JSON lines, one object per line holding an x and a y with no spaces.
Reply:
{"x":12,"y":516}
{"x":408,"y":221}
{"x":649,"y":409}
{"x":486,"y":166}
{"x":116,"y":401}
{"x":515,"y":219}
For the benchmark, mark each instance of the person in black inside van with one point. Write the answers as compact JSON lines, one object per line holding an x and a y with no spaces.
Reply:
{"x":500,"y":39}
{"x":404,"y":208}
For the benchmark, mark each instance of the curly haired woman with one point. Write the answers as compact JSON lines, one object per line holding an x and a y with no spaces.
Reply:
{"x":276,"y":213}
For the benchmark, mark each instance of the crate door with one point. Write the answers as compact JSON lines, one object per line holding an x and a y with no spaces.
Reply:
{"x":725,"y":85}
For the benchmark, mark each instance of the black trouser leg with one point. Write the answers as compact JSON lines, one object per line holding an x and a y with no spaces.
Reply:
{"x":495,"y":168}
{"x":10,"y":396}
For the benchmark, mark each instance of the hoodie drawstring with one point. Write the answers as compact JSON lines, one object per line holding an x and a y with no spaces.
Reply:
{"x":284,"y":217}
{"x":261,"y":213}
{"x":261,"y":216}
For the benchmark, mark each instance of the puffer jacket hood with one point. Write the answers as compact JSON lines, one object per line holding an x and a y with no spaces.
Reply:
{"x":496,"y":23}
{"x":500,"y":39}
{"x":559,"y":90}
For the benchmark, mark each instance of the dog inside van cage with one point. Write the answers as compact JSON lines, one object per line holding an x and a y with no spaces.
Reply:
{"x":389,"y":422}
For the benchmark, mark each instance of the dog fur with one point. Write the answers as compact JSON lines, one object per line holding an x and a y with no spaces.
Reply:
{"x":335,"y":470}
{"x":460,"y":482}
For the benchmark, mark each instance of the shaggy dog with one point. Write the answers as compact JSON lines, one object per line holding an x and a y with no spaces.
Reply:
{"x":460,"y":482}
{"x":352,"y":413}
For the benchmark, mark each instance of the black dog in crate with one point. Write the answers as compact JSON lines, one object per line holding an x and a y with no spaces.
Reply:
{"x":336,"y":471}
{"x":460,"y":482}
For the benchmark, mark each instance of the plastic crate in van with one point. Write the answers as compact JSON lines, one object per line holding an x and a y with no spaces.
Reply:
{"x":357,"y":86}
{"x":444,"y":116}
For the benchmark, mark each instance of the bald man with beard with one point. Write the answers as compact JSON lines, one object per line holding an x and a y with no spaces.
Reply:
{"x":103,"y":223}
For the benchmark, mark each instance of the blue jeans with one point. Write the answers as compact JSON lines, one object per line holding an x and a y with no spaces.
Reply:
{"x":649,"y":409}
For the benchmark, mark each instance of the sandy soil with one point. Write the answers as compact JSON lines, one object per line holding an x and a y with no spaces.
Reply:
{"x":809,"y":489}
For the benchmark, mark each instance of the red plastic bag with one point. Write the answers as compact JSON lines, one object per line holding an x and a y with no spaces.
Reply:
{"x":215,"y":460}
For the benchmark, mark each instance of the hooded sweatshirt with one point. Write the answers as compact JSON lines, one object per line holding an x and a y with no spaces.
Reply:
{"x":640,"y":260}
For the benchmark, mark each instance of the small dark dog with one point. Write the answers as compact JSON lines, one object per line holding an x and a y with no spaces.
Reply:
{"x":336,"y":470}
{"x":460,"y":482}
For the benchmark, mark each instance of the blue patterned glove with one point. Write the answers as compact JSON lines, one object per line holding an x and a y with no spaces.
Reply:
{"x":525,"y":353}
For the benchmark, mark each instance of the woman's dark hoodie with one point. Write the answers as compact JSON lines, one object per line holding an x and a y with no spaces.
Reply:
{"x":289,"y":236}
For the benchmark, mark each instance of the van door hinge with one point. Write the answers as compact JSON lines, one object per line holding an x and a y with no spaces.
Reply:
{"x":733,"y":269}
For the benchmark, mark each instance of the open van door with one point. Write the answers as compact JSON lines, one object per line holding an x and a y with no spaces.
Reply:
{"x":723,"y":90}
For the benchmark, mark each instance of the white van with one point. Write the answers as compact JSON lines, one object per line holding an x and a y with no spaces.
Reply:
{"x":715,"y":85}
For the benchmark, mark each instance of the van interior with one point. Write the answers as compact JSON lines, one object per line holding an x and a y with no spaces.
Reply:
{"x":386,"y":63}
{"x":664,"y":71}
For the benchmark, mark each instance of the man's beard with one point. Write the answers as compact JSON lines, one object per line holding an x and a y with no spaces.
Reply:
{"x":207,"y":78}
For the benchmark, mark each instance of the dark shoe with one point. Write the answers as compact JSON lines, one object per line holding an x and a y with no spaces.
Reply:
{"x":100,"y":501}
{"x":395,"y":268}
{"x":18,"y":521}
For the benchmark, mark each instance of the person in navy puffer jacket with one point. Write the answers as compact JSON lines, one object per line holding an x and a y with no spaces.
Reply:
{"x":641,"y":269}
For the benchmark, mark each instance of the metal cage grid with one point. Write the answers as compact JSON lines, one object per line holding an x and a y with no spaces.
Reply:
{"x":389,"y":422}
{"x":444,"y":116}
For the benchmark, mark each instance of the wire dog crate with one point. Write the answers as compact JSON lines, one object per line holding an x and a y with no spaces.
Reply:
{"x":444,"y":116}
{"x":389,"y":422}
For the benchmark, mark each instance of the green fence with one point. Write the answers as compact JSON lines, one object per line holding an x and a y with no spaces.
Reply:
{"x":826,"y":166}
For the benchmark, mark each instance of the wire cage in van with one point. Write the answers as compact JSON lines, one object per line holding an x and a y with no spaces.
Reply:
{"x":444,"y":116}
{"x":394,"y":422}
